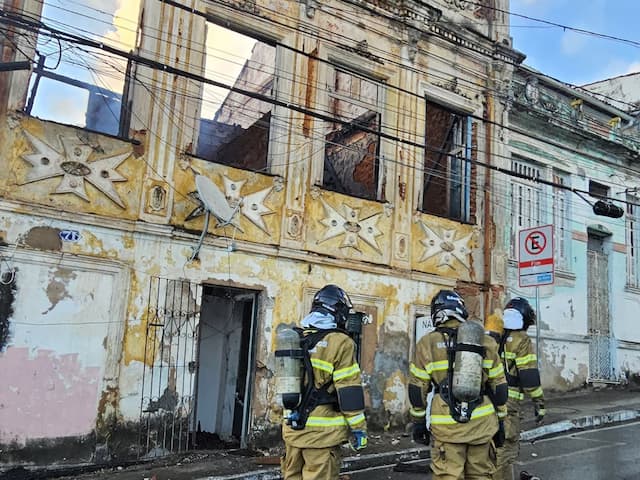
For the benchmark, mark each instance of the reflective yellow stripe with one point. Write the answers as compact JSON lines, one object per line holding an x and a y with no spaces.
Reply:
{"x":437,"y":366}
{"x":419,"y":373}
{"x":477,"y":413}
{"x":346,"y":372}
{"x":487,"y":363}
{"x":355,"y":419}
{"x":496,"y":371}
{"x":418,"y":412}
{"x":526,"y":359}
{"x":509,"y":355}
{"x":502,"y":414}
{"x":326,"y":421}
{"x":536,"y":393}
{"x":515,"y":394}
{"x":322,"y":365}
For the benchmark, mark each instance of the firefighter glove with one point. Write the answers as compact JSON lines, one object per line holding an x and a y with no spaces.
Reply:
{"x":420,"y":433}
{"x":359,"y":439}
{"x":499,"y":437}
{"x":539,"y":412}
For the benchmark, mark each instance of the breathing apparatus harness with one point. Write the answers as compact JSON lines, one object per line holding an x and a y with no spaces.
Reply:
{"x":512,"y":380}
{"x":459,"y":411}
{"x":312,"y":396}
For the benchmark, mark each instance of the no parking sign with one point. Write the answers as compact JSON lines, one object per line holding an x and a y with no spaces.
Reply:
{"x":535,"y":256}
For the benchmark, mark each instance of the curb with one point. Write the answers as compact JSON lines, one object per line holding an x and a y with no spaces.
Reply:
{"x":363,"y":461}
{"x":589,"y":421}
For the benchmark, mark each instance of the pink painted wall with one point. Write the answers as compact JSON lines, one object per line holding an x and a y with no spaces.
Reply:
{"x":46,"y":395}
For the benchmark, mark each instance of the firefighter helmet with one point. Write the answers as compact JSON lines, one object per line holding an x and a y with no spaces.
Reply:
{"x":447,"y":303}
{"x":522,"y":306}
{"x":334,"y":300}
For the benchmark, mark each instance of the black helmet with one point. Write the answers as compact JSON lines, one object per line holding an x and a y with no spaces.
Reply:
{"x":332,"y":299}
{"x":522,"y":305}
{"x":450,"y":303}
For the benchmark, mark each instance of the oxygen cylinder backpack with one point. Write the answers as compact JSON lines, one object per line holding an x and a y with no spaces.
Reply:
{"x":294,"y":375}
{"x":465,"y":354}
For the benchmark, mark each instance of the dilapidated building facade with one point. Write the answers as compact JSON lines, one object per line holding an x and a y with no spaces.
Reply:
{"x":569,"y":150}
{"x":345,"y":142}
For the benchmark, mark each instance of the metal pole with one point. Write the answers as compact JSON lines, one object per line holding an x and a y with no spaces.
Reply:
{"x":538,"y":326}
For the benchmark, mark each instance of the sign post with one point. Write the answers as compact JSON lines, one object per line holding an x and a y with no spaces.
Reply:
{"x":535,"y":264}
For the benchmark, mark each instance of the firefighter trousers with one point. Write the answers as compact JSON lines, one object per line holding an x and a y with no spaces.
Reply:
{"x":311,"y":463}
{"x":508,"y":453}
{"x":461,"y":461}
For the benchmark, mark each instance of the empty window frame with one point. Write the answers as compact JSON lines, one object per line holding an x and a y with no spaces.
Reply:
{"x":234,"y":128}
{"x":526,"y":200}
{"x":79,"y":85}
{"x":561,"y":220}
{"x":633,"y":242}
{"x":447,"y":169}
{"x":598,"y":190}
{"x":352,"y":141}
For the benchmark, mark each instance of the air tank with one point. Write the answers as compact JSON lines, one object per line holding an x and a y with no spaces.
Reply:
{"x":467,"y":370}
{"x":289,"y":367}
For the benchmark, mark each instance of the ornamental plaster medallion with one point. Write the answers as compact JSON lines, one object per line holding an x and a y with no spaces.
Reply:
{"x":445,"y":246}
{"x":351,"y":226}
{"x":250,"y":205}
{"x":460,"y":4}
{"x":71,"y":162}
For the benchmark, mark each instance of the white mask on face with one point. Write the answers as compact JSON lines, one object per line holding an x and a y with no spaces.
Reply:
{"x":512,"y":319}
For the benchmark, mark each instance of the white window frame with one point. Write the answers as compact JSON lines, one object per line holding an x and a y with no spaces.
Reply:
{"x":632,"y":234}
{"x":527,"y":199}
{"x":561,"y":213}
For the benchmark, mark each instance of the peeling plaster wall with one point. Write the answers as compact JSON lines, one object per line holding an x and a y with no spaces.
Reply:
{"x":56,"y":359}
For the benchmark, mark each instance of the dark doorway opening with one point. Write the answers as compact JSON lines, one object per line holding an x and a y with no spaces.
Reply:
{"x":224,"y":373}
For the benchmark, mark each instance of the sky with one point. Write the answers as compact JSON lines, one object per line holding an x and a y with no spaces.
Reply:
{"x":570,"y":56}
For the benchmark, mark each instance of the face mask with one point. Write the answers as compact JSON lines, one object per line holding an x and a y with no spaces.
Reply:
{"x":512,"y":319}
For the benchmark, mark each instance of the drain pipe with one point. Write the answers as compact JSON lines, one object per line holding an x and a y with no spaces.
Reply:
{"x":488,"y":224}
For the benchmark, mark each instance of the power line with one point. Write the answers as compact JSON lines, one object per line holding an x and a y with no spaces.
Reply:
{"x":172,"y":70}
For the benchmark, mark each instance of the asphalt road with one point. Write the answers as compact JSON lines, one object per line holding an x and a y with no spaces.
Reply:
{"x":609,"y":453}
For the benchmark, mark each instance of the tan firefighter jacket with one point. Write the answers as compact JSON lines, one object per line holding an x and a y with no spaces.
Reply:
{"x":521,"y":367}
{"x":429,"y":370}
{"x":333,"y":358}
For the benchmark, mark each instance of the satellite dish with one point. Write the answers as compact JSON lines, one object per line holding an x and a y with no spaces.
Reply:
{"x":214,"y":203}
{"x":214,"y":200}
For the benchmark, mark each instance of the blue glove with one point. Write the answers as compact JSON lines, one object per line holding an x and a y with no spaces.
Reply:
{"x":359,"y":439}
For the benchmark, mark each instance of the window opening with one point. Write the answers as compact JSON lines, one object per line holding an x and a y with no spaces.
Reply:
{"x":598,"y":190}
{"x":526,"y":200}
{"x":447,"y":172}
{"x":561,"y":215}
{"x":633,"y":242}
{"x":352,"y":151}
{"x":80,"y":85}
{"x":234,"y":128}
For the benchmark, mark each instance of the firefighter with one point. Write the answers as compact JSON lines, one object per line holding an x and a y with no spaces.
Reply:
{"x":332,"y":411}
{"x":523,"y":377}
{"x":462,"y":446}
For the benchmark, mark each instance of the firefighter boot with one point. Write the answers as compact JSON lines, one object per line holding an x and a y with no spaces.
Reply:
{"x":527,"y":476}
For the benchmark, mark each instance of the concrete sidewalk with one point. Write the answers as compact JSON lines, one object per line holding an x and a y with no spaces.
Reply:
{"x":585,"y":409}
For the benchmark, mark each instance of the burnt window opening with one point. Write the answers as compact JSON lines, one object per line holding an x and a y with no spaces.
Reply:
{"x":598,"y":190}
{"x":235,"y":128}
{"x":447,"y":169}
{"x":352,"y":150}
{"x":79,"y":85}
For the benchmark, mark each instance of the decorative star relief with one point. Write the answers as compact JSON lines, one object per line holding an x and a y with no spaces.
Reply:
{"x":446,"y":246}
{"x":350,"y":226}
{"x":72,"y":163}
{"x":250,"y":205}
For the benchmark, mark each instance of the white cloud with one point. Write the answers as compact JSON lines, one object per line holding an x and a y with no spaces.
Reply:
{"x":633,"y":68}
{"x":572,"y":42}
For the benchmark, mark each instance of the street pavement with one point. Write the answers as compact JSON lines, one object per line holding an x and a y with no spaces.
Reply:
{"x":571,"y":412}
